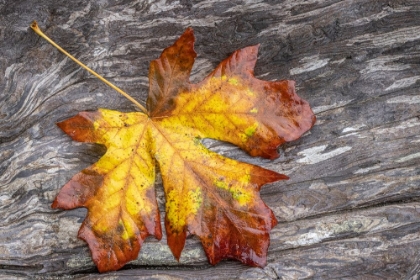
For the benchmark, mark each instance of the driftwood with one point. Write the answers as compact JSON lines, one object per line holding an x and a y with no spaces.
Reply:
{"x":351,"y":209}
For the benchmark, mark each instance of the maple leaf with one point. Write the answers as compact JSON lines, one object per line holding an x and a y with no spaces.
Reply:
{"x":207,"y":195}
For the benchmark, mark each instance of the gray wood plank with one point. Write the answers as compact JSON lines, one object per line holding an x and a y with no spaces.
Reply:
{"x":350,"y":208}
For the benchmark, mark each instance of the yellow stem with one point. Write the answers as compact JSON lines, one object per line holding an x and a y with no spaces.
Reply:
{"x":38,"y":31}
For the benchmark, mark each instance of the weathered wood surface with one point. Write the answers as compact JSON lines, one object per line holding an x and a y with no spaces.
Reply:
{"x":351,"y":209}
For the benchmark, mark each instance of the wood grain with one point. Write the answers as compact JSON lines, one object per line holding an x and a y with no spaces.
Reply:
{"x":351,"y":209}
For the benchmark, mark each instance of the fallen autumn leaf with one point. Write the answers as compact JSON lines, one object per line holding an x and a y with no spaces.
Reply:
{"x":207,"y":195}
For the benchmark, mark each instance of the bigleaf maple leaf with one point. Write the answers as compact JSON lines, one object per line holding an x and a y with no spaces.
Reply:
{"x":207,"y":195}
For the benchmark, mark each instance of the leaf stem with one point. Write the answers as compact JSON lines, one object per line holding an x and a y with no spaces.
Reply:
{"x":38,"y":31}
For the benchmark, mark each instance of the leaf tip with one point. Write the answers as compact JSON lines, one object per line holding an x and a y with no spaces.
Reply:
{"x":189,"y":30}
{"x":282,"y":177}
{"x":176,"y":244}
{"x":80,"y":127}
{"x":176,"y":240}
{"x":54,"y":205}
